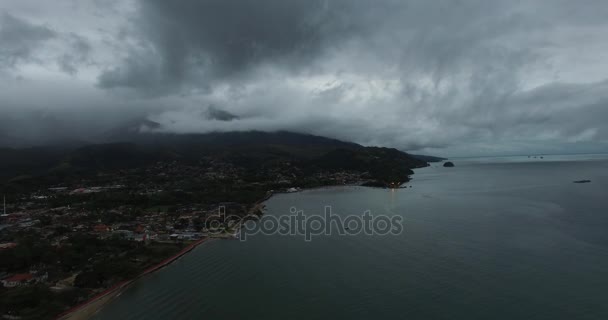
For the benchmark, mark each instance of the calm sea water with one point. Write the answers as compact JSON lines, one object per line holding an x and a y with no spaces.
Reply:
{"x":493,"y":238}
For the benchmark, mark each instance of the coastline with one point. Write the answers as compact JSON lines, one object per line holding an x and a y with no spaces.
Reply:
{"x":90,"y":307}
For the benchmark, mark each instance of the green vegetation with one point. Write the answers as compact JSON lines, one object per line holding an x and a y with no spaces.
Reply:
{"x":91,"y":217}
{"x":36,"y":302}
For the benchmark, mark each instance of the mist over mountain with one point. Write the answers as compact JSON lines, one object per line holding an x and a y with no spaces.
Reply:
{"x":250,"y":151}
{"x":434,"y":77}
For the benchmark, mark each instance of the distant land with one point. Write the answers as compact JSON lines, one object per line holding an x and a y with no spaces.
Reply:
{"x":86,"y":220}
{"x":129,"y":148}
{"x":428,"y":158}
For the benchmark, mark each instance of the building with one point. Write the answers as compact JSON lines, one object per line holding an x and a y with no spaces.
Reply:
{"x":140,"y":229}
{"x":8,"y":245}
{"x":186,"y":236}
{"x":18,"y":280}
{"x":101,"y":228}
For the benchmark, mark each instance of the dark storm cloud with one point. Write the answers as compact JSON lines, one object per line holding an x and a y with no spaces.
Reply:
{"x":196,"y":42}
{"x":18,"y":38}
{"x":461,"y":68}
{"x":194,"y":45}
{"x":205,"y":40}
{"x":23,"y":42}
{"x":78,"y":55}
{"x":442,"y":76}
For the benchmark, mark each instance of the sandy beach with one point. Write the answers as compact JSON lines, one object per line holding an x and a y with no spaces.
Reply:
{"x":89,"y":308}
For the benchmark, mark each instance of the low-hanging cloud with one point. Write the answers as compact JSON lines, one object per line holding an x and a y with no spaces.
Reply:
{"x":466,"y":77}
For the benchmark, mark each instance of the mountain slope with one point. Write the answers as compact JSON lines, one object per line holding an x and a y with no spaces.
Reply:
{"x":246,"y":151}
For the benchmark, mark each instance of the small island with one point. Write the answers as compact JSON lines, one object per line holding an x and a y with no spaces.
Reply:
{"x":582,"y":181}
{"x":448,"y":164}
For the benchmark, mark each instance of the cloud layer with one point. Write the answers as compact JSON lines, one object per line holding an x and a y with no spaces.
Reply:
{"x":455,"y":78}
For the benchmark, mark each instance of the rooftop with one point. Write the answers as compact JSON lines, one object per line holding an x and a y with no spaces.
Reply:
{"x":20,"y":277}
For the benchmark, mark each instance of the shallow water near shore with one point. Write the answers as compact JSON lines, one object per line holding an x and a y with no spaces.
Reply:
{"x":492,"y":238}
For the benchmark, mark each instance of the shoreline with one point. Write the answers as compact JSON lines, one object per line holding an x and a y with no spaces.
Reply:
{"x":93,"y":305}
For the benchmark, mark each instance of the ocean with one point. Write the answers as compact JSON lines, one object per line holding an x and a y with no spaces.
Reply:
{"x":491,"y":238}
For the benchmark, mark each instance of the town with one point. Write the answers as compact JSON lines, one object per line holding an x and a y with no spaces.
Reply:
{"x":63,"y":243}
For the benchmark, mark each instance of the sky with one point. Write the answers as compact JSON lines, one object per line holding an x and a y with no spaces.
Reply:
{"x":442,"y":77}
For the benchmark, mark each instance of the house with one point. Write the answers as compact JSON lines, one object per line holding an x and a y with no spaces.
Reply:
{"x":186,"y":236}
{"x":18,"y":280}
{"x":139,"y":229}
{"x":8,"y":245}
{"x":101,"y":228}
